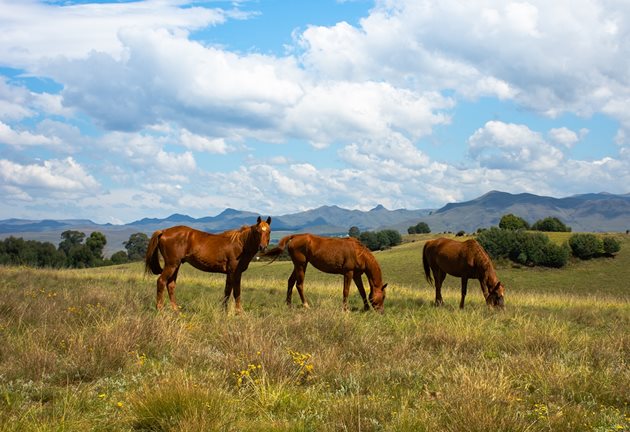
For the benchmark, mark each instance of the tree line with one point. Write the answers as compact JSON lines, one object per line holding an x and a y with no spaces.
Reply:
{"x":376,"y":240}
{"x":75,"y":250}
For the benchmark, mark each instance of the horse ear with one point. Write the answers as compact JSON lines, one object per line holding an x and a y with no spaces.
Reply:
{"x":269,"y":220}
{"x":384,"y":286}
{"x":259,"y":220}
{"x":496,"y":287}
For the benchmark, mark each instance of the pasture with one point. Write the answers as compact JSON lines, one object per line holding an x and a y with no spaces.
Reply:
{"x":85,"y":350}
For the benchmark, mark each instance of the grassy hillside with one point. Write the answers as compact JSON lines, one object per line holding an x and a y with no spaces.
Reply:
{"x":85,"y":350}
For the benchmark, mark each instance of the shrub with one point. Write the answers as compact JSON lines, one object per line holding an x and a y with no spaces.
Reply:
{"x":554,"y":255}
{"x":380,"y":239}
{"x":550,"y":224}
{"x":513,"y":222}
{"x":611,"y":245}
{"x":586,"y":246}
{"x":119,"y":257}
{"x":523,"y":247}
{"x":460,"y":233}
{"x":497,"y":242}
{"x":419,"y":228}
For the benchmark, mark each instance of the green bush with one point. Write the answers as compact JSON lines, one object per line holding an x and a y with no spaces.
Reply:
{"x":513,"y":222}
{"x":523,"y":247}
{"x":550,"y":224}
{"x":611,"y":245}
{"x":119,"y":257}
{"x":586,"y":246}
{"x":419,"y":228}
{"x":554,"y":255}
{"x":381,"y":239}
{"x":497,"y":242}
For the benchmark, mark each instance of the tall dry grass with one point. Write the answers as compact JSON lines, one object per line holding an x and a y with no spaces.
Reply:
{"x":85,"y":350}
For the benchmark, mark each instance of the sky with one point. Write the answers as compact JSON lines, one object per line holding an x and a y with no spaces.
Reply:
{"x":118,"y":110}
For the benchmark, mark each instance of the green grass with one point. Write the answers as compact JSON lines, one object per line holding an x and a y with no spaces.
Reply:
{"x":85,"y":350}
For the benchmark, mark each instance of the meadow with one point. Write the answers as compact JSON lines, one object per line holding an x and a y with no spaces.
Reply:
{"x":85,"y":350}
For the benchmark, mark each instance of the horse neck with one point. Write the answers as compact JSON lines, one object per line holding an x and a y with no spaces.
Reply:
{"x":490,"y":276}
{"x":373,"y":271}
{"x":248,"y":243}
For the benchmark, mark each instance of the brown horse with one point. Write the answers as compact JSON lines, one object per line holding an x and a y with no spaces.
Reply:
{"x":229,"y":253}
{"x":467,"y":260}
{"x":333,"y":255}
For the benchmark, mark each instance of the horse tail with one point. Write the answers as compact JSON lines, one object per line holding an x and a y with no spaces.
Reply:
{"x":152,"y":259}
{"x":277,"y":251}
{"x":425,"y":264}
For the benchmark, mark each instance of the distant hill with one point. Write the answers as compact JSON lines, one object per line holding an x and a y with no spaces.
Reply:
{"x":593,"y":212}
{"x":600,"y":212}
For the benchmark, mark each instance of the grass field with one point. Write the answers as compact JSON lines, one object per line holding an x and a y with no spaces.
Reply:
{"x":85,"y":350}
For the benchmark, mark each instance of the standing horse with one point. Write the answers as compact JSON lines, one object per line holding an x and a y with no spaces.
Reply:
{"x":466,"y":260}
{"x":333,"y":255}
{"x":229,"y":253}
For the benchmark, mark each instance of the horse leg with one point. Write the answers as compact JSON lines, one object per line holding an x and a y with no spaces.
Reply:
{"x":227,"y":291}
{"x":162,"y":282}
{"x":464,"y":289}
{"x":438,"y":277}
{"x":290,"y":284}
{"x":171,"y":289}
{"x":300,"y":273}
{"x":236,"y":291}
{"x":359,"y":283}
{"x":484,"y":289}
{"x":347,"y":279}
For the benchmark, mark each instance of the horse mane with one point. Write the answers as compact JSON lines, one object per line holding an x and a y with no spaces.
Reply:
{"x":237,"y":235}
{"x":364,"y":253}
{"x":481,"y":256}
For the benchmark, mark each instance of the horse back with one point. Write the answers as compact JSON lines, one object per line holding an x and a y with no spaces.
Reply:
{"x":203,"y":250}
{"x":456,"y":258}
{"x":330,"y":255}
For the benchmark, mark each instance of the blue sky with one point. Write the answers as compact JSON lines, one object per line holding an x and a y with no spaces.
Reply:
{"x":114,"y":111}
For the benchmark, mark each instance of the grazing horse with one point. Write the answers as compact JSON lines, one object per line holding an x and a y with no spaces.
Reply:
{"x":229,"y":253}
{"x":467,"y":260}
{"x":345,"y":256}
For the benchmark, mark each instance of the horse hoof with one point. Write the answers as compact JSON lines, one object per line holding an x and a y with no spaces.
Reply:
{"x":306,"y":306}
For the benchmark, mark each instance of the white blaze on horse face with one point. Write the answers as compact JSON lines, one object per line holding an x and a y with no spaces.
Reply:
{"x":263,"y":229}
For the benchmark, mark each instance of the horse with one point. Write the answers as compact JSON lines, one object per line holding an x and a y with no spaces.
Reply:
{"x":229,"y":253}
{"x":466,"y":260}
{"x":345,"y":256}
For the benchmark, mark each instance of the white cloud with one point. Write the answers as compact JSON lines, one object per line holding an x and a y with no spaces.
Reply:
{"x":22,"y":139}
{"x":144,"y":100}
{"x":203,"y":144}
{"x":34,"y":31}
{"x":512,"y":146}
{"x":52,"y":175}
{"x":566,"y":137}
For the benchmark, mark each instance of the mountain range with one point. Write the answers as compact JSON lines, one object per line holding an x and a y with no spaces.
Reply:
{"x":593,"y":212}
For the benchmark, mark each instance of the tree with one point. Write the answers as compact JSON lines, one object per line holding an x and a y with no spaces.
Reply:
{"x":354,"y":232}
{"x":586,"y":245}
{"x":513,"y":222}
{"x":419,"y":228}
{"x":96,"y":243}
{"x":17,"y":251}
{"x":550,"y":224}
{"x":69,"y":239}
{"x":137,"y":246}
{"x":81,"y":256}
{"x":370,"y":240}
{"x":390,"y":238}
{"x":119,"y":257}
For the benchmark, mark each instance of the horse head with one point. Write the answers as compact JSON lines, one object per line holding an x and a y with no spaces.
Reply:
{"x":377,"y":298}
{"x":263,"y":233}
{"x":495,"y":297}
